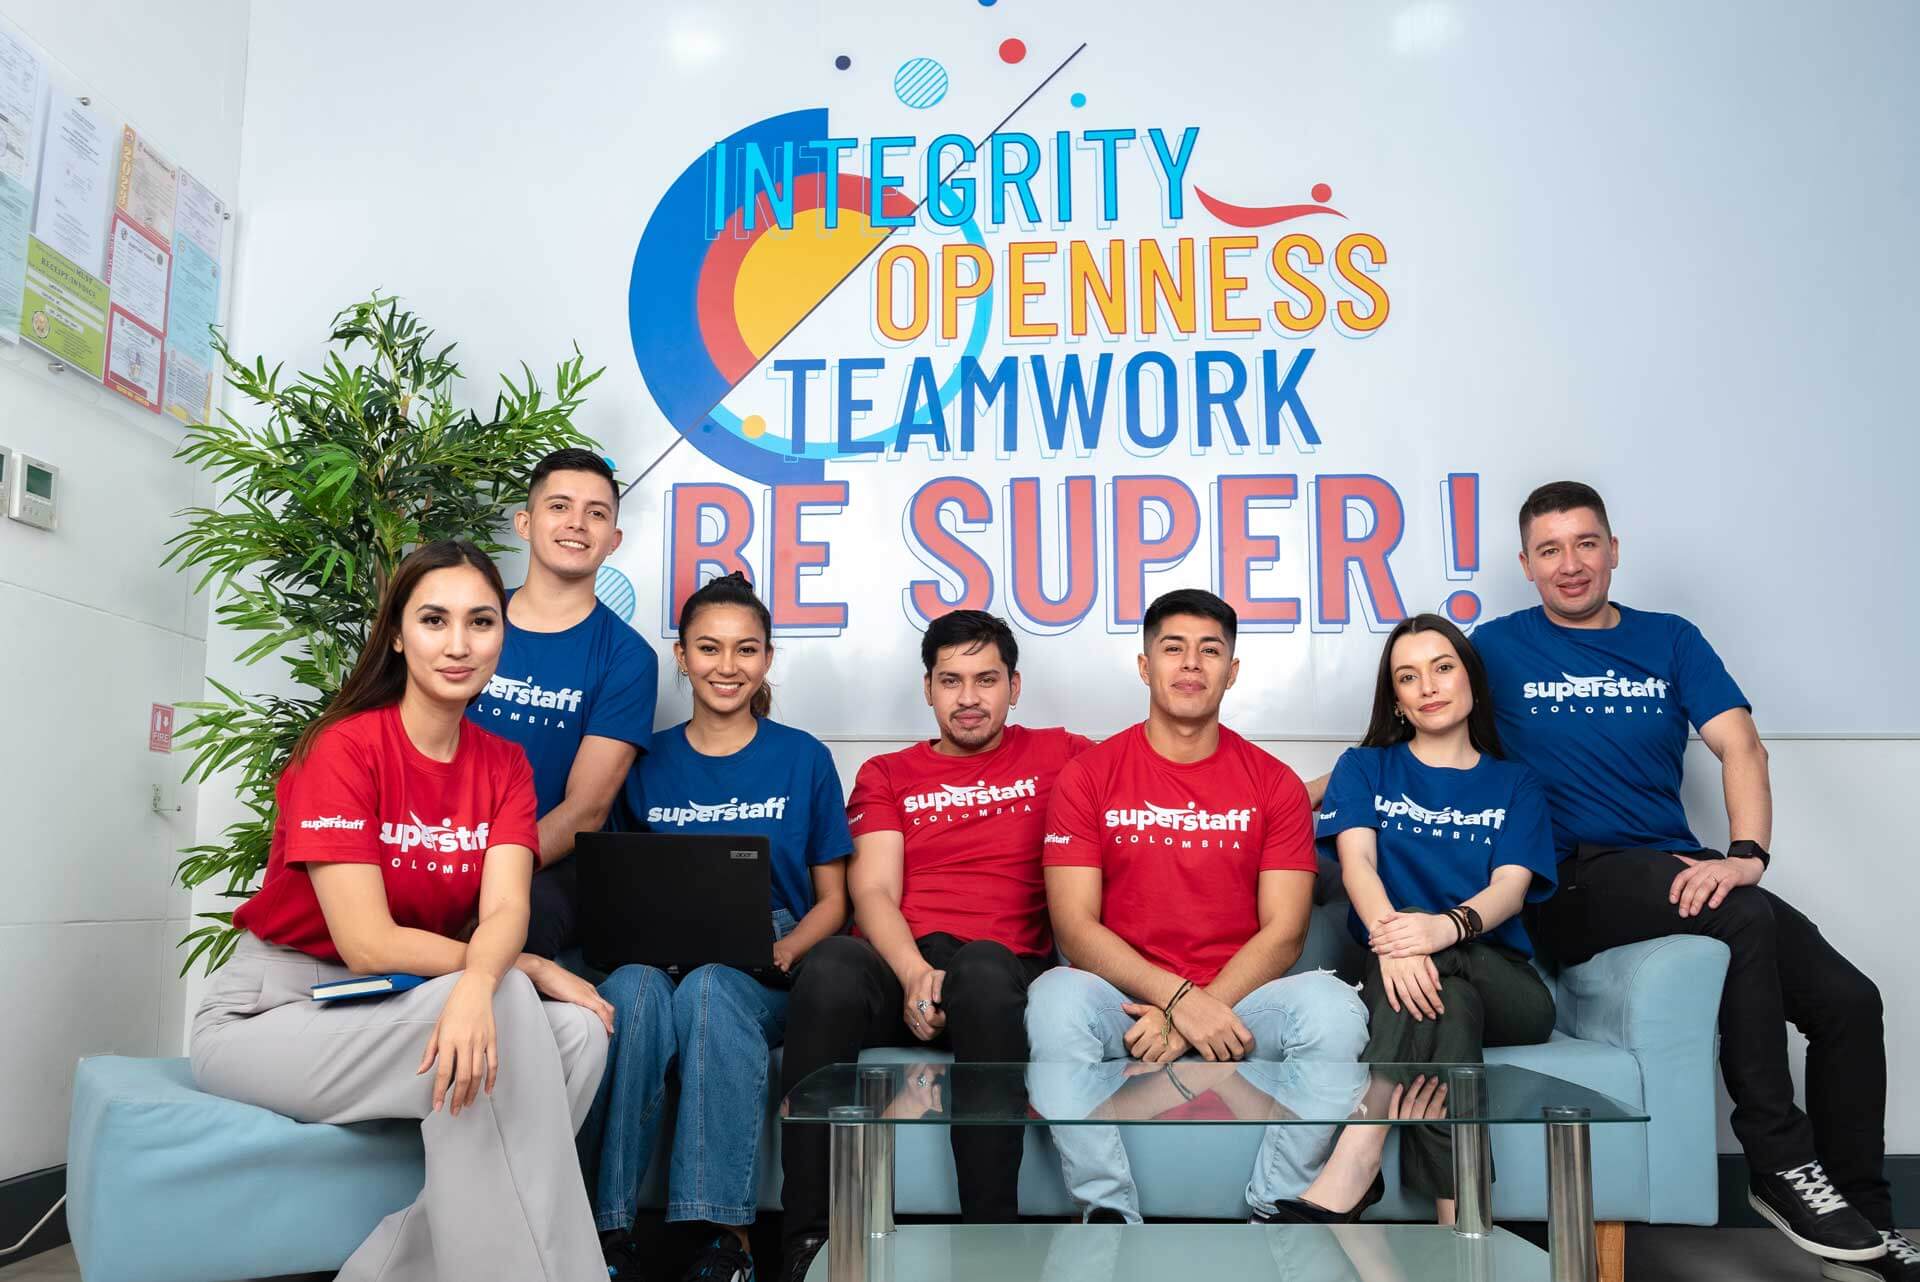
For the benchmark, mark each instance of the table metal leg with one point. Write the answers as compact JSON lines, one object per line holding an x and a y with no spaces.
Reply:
{"x":1472,"y":1152}
{"x":848,"y":1204}
{"x":876,"y":1092}
{"x":1570,"y":1245}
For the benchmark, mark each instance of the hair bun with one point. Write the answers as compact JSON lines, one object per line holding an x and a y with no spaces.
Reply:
{"x":735,"y":576}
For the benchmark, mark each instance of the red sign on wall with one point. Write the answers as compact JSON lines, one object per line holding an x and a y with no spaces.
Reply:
{"x":160,"y":729}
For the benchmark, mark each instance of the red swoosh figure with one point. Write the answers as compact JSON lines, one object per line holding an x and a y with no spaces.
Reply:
{"x":1268,"y":215}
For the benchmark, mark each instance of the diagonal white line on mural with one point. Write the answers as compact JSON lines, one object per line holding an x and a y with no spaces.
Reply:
{"x":877,"y":244}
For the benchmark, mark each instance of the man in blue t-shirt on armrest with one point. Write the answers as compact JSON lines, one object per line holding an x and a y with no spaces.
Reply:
{"x":576,"y":685}
{"x":1596,"y":697}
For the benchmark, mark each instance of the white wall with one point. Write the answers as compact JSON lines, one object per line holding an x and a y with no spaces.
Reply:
{"x":93,"y":631}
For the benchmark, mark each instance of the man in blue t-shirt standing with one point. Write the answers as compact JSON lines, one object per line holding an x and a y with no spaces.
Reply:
{"x":576,"y":685}
{"x":1596,"y":698}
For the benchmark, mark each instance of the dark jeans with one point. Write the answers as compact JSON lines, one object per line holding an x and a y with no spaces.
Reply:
{"x":1782,"y":969}
{"x":846,"y":999}
{"x":1492,"y":997}
{"x":553,"y":912}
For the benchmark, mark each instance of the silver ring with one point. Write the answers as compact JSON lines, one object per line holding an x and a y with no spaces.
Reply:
{"x":920,"y":1080}
{"x":921,"y":1007}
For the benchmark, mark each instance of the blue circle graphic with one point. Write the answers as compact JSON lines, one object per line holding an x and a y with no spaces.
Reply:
{"x":920,"y":82}
{"x":616,"y":591}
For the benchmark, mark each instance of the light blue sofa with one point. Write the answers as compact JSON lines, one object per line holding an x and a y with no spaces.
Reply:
{"x":166,"y":1184}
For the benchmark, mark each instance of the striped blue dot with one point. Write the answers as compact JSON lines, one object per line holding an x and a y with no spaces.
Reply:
{"x":616,"y":590}
{"x":920,"y":82}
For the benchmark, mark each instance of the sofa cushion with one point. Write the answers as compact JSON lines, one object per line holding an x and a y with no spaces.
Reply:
{"x":159,"y":1174}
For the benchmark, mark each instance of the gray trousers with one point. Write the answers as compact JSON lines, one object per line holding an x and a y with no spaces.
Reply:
{"x":503,"y":1198}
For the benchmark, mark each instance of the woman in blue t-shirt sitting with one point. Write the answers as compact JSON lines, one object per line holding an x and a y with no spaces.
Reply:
{"x":1440,"y":842}
{"x":728,"y":769}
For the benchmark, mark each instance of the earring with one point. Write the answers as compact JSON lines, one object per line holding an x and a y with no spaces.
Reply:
{"x":1399,"y":713}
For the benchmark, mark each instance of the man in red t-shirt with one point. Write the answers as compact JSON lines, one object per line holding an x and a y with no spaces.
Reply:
{"x":951,"y":909}
{"x":1179,"y":869}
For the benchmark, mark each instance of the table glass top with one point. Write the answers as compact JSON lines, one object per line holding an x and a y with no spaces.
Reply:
{"x":1195,"y":1092}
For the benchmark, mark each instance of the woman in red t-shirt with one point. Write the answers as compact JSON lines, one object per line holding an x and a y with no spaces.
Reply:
{"x":398,"y":823}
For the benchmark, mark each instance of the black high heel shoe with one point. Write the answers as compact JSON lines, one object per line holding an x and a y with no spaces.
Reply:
{"x":1297,"y":1210}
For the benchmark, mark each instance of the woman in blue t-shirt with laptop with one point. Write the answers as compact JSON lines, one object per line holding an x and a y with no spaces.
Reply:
{"x":1441,"y":842}
{"x":717,"y":1023}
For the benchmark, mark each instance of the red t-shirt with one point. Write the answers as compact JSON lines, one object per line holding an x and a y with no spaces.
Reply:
{"x":365,"y":795}
{"x":1180,"y":846}
{"x":972,"y":828}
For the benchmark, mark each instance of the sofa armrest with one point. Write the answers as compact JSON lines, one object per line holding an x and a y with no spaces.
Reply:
{"x":1660,"y":1000}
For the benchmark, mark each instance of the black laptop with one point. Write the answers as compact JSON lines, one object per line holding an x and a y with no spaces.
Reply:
{"x":676,"y":901}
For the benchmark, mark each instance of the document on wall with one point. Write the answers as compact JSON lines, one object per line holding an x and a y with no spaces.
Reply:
{"x":76,"y":181}
{"x":193,"y":306}
{"x":137,"y":274}
{"x":147,"y":185}
{"x":197,"y":215}
{"x":64,"y":309}
{"x":23,"y":89}
{"x":22,"y":99}
{"x":134,"y":360}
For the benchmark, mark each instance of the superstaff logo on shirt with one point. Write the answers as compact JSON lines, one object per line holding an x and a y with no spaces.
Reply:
{"x":732,"y":810}
{"x":443,"y":837}
{"x":339,"y":822}
{"x":1404,"y":814}
{"x":1604,"y":694}
{"x":1149,"y":822}
{"x":964,"y":802}
{"x":528,"y":694}
{"x":968,"y":796}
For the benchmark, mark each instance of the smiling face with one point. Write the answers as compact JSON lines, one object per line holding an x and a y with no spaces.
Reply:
{"x":570,"y":523}
{"x":725,"y":657}
{"x":971,"y":692}
{"x":450,"y":634}
{"x":1430,"y":683}
{"x":1188,"y":667}
{"x":1570,"y":558}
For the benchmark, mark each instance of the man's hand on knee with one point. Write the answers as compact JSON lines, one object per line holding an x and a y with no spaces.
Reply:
{"x":1211,"y":1026}
{"x":1150,"y":1040}
{"x":1706,"y":883}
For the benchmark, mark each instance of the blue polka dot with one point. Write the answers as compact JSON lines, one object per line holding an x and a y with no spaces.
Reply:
{"x":920,"y":83}
{"x":987,"y":4}
{"x":1078,"y":100}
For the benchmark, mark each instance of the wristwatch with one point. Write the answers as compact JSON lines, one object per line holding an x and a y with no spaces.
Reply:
{"x":1749,"y":850}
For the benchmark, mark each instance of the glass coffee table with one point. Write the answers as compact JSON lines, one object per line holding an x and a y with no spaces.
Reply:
{"x":863,"y":1103}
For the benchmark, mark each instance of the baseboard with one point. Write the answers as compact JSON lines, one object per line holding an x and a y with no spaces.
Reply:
{"x":23,"y":1200}
{"x":1903,"y":1172}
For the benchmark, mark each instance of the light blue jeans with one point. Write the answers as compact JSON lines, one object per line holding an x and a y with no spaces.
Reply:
{"x":717,"y":1025}
{"x":1074,"y":1016}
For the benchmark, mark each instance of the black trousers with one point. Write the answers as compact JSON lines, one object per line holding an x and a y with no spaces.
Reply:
{"x":1492,"y":997}
{"x":553,"y":911}
{"x":1782,"y":970}
{"x":846,"y":998}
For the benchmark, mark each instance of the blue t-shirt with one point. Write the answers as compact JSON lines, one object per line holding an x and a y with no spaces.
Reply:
{"x":553,"y":688}
{"x":1601,"y":714}
{"x":781,"y":786}
{"x":1440,"y":832}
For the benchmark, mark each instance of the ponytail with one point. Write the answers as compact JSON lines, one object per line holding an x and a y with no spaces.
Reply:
{"x":733,"y":589}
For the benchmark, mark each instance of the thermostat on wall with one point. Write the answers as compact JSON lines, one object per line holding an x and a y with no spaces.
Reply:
{"x":31,"y":487}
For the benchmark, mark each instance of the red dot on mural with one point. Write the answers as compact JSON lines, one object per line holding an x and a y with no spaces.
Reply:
{"x":1012,"y":50}
{"x":1322,"y":193}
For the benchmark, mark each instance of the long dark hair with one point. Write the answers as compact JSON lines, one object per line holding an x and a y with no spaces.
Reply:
{"x":1386,"y":729}
{"x":379,"y":677}
{"x":733,"y":589}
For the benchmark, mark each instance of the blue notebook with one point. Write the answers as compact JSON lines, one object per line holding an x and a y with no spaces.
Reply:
{"x":341,"y":990}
